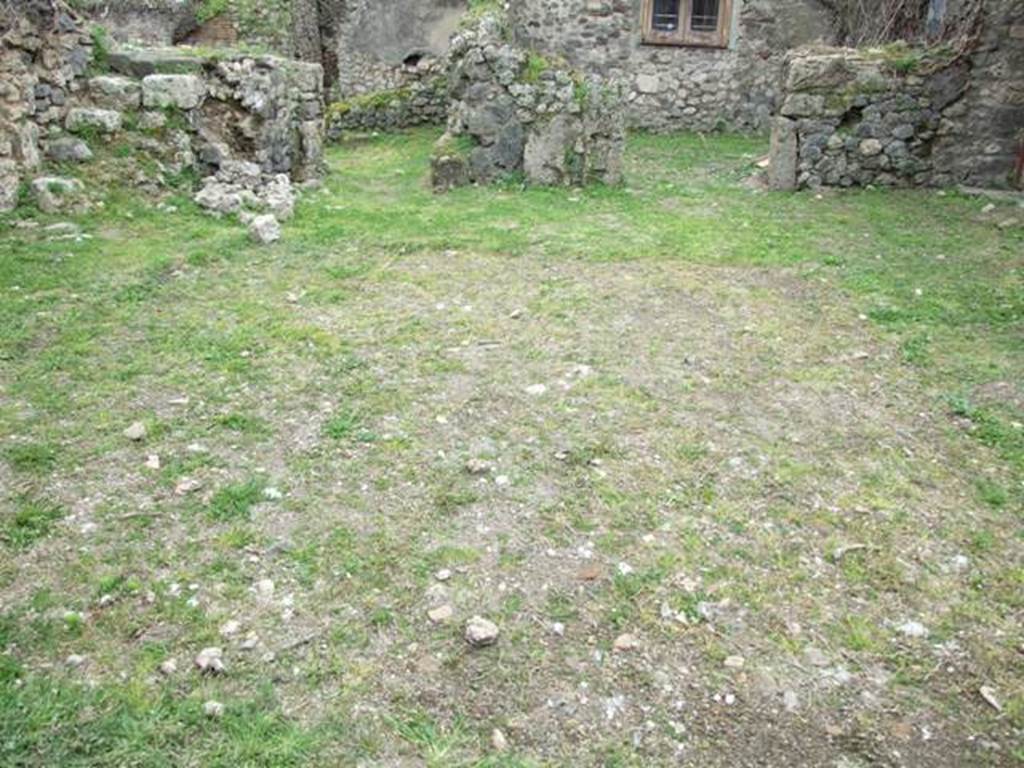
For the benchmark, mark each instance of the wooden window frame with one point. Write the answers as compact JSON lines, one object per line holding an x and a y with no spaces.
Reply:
{"x":684,"y":36}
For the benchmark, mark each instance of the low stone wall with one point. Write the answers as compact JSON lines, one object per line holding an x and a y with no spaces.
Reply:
{"x":261,"y":109}
{"x":421,"y":102}
{"x":513,"y":111}
{"x":59,"y":102}
{"x":854,"y":118}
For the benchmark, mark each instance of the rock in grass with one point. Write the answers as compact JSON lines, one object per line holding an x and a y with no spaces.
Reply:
{"x":440,"y":614}
{"x":265,"y":229}
{"x":478,"y":466}
{"x":136,"y":432}
{"x":734,"y":662}
{"x":481,"y":632}
{"x":213,"y":709}
{"x":626,"y":642}
{"x":211,"y":661}
{"x":230,"y":628}
{"x":912,"y":629}
{"x":168,"y":667}
{"x":69,"y":149}
{"x":498,"y":741}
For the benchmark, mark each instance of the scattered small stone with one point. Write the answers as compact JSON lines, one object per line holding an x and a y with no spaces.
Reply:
{"x":251,"y":641}
{"x":272,"y":494}
{"x":734,"y":662}
{"x":989,"y":208}
{"x":502,"y":480}
{"x":515,"y":314}
{"x":624,"y":569}
{"x":213,"y":709}
{"x":152,"y":461}
{"x":498,"y":741}
{"x":187,"y":485}
{"x":536,"y":389}
{"x":558,"y":628}
{"x":478,"y":466}
{"x":591,"y":572}
{"x":481,"y":632}
{"x":626,"y":642}
{"x":229,"y":628}
{"x":443,"y":575}
{"x":168,"y":668}
{"x":75,"y":660}
{"x":1007,"y":223}
{"x":136,"y":431}
{"x":441,"y":614}
{"x":912,"y":629}
{"x":106,"y":600}
{"x":210,"y":660}
{"x":988,"y":693}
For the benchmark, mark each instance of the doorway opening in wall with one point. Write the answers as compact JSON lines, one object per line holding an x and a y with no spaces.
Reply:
{"x":702,"y":23}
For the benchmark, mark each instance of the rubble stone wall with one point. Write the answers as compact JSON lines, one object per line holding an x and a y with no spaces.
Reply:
{"x":58,"y":102}
{"x":512,"y":111}
{"x":423,"y":101}
{"x":854,"y":118}
{"x":387,"y":46}
{"x":678,"y":87}
{"x":43,"y":64}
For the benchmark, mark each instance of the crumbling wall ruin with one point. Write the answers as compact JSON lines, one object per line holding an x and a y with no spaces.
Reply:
{"x":894,"y":117}
{"x":60,"y":103}
{"x":512,"y":111}
{"x":44,"y":57}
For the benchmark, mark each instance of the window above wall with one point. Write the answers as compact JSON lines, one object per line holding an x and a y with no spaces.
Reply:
{"x":687,"y":22}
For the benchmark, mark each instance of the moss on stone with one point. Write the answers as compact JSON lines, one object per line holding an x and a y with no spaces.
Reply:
{"x":901,"y":58}
{"x":368,"y":101}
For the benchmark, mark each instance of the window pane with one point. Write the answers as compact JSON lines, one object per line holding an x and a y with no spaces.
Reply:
{"x":665,"y":17}
{"x":705,"y":16}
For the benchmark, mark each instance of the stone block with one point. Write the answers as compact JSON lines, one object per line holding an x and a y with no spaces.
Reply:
{"x":54,"y":193}
{"x":68,"y":149}
{"x":180,"y":91}
{"x":114,"y":92}
{"x":140,"y":63}
{"x":102,"y":120}
{"x":803,"y":105}
{"x":783,"y":155}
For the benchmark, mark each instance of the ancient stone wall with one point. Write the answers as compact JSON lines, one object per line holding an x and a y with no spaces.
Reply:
{"x":147,"y":22}
{"x":43,"y":63}
{"x":387,"y":46}
{"x":512,"y":111}
{"x":423,"y":101}
{"x":673,"y":87}
{"x":986,"y":136}
{"x":59,"y":102}
{"x":262,"y":24}
{"x":898,"y":117}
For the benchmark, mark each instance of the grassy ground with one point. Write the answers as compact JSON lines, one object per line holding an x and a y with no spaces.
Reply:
{"x":778,"y":445}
